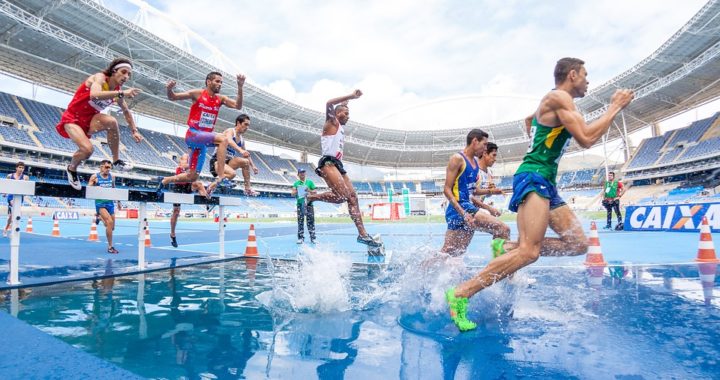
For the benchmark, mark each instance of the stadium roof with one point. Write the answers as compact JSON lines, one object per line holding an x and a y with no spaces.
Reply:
{"x":58,"y":43}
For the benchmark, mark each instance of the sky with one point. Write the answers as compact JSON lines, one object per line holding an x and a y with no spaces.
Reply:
{"x":421,"y":65}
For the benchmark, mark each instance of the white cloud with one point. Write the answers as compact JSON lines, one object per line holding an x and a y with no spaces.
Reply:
{"x":279,"y":60}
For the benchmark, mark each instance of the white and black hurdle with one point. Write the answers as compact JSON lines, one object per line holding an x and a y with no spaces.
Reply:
{"x":32,"y":188}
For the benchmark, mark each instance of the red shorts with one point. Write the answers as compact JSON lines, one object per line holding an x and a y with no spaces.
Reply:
{"x":83,"y":121}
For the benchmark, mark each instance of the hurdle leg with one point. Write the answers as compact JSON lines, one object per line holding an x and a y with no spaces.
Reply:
{"x":142,"y":224}
{"x":221,"y":230}
{"x":14,"y":278}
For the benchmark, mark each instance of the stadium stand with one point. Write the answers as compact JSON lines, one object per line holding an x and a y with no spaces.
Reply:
{"x":9,"y":108}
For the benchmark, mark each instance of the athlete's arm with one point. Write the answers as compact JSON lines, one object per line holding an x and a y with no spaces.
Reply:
{"x":586,"y":134}
{"x":230,"y":133}
{"x":190,"y":94}
{"x":95,"y":82}
{"x":451,"y":173}
{"x":93,"y":180}
{"x":26,"y":177}
{"x":528,"y":124}
{"x":129,"y":118}
{"x":238,"y":101}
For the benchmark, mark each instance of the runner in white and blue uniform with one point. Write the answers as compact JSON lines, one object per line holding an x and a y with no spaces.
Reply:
{"x":236,"y":156}
{"x":17,"y":175}
{"x":105,"y":209}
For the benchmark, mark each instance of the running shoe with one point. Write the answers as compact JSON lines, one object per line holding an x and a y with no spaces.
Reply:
{"x":112,"y":250}
{"x":369,"y":241}
{"x":458,"y":311}
{"x":497,"y":247}
{"x":122,"y":165}
{"x":300,"y":241}
{"x":173,"y":241}
{"x":313,"y":241}
{"x":608,"y":227}
{"x":73,"y":178}
{"x":251,"y":193}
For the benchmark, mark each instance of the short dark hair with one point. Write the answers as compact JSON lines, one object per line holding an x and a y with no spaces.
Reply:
{"x":212,"y":75}
{"x":613,"y":173}
{"x":110,"y":69}
{"x":19,"y":164}
{"x":564,"y":66}
{"x":491,"y":147}
{"x":242,"y":117}
{"x":105,"y":162}
{"x":476,"y":134}
{"x":342,"y":105}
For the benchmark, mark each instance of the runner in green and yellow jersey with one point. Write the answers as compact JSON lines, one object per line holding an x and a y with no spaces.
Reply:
{"x":535,"y":197}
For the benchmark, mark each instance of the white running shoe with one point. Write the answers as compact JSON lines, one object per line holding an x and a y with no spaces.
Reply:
{"x":73,"y":178}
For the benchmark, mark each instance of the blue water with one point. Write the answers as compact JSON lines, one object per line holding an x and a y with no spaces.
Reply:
{"x":325,"y":317}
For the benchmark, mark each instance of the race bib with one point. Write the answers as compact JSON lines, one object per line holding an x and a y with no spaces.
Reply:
{"x":301,"y":191}
{"x":207,"y":120}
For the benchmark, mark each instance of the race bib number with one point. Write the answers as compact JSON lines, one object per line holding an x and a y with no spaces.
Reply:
{"x":207,"y":120}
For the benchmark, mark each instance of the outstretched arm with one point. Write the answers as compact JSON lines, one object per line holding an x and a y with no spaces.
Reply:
{"x":587,"y":134}
{"x":238,"y":101}
{"x":174,"y":96}
{"x":341,"y":99}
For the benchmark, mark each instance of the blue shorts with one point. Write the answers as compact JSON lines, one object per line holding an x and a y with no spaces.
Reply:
{"x":454,"y":220}
{"x":110,"y":207}
{"x":528,"y":182}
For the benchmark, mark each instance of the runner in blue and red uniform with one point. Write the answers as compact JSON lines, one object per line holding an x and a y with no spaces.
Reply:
{"x":201,"y":123}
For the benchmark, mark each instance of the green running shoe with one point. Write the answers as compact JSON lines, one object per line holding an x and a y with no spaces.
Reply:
{"x":458,"y":311}
{"x":497,"y":247}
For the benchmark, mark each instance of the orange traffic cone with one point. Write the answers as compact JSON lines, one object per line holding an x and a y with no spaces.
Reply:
{"x":29,"y":227}
{"x":147,"y":235}
{"x":56,"y":228}
{"x":93,"y":231}
{"x":594,"y":255}
{"x":251,"y":248}
{"x":706,"y":248}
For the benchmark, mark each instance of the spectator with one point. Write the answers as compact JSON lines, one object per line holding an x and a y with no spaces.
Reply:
{"x":613,"y":190}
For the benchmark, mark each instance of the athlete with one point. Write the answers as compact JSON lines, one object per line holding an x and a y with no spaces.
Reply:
{"x":236,"y":156}
{"x":183,"y":188}
{"x":535,"y":196}
{"x":17,"y":175}
{"x":467,"y":181}
{"x":330,"y":166}
{"x":105,"y":208}
{"x":201,"y":123}
{"x":83,"y":117}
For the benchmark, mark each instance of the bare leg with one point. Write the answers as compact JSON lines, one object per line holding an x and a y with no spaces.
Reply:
{"x":492,"y":225}
{"x":221,"y":151}
{"x":457,"y":241}
{"x":200,"y":188}
{"x":173,"y":220}
{"x":533,"y":219}
{"x":103,"y":122}
{"x":85,"y":148}
{"x":109,"y":222}
{"x":341,"y":191}
{"x":572,"y":240}
{"x":190,"y":176}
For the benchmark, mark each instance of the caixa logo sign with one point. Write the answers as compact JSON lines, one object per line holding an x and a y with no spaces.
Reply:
{"x":66,"y":215}
{"x":685,"y":217}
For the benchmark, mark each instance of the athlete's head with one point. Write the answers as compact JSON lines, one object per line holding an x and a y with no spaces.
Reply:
{"x":477,"y":141}
{"x":120,"y":70}
{"x":571,"y":73}
{"x":213,"y":81}
{"x":342,"y":113}
{"x":242,"y":123}
{"x":105,"y":166}
{"x":611,"y":176}
{"x":490,"y":154}
{"x":19,"y":167}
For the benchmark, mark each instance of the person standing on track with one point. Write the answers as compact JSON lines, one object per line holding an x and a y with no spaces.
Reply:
{"x":182,"y":188}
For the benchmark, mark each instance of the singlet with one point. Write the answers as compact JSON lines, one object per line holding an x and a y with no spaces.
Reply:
{"x":232,"y":152}
{"x":10,"y":197}
{"x":484,"y":179}
{"x":466,"y":181}
{"x":547,"y":145}
{"x":333,"y":145}
{"x":82,"y":105}
{"x":180,"y":170}
{"x":106,"y":183}
{"x":204,"y":112}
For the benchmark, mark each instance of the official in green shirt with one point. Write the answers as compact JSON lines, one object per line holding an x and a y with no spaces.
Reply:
{"x":301,"y":188}
{"x":612,"y":191}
